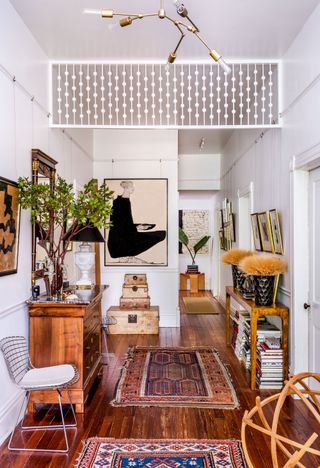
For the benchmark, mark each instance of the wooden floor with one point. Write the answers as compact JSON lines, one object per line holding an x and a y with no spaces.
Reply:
{"x":103,"y":420}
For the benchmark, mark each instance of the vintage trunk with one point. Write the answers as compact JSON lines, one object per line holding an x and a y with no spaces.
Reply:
{"x":142,"y":322}
{"x":136,"y":279}
{"x":134,"y":302}
{"x":135,"y":291}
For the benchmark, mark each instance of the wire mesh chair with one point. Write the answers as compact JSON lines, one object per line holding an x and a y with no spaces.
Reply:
{"x":105,"y":322}
{"x":29,"y":378}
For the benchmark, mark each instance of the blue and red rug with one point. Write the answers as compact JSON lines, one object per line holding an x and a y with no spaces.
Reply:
{"x":112,"y":453}
{"x":190,"y":377}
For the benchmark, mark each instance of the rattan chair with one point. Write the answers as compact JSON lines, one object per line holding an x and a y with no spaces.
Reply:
{"x":29,"y":378}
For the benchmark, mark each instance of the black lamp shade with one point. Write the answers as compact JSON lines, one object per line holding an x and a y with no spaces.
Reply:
{"x":87,"y":233}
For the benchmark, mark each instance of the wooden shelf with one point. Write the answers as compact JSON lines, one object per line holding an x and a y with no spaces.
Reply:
{"x":255,"y":311}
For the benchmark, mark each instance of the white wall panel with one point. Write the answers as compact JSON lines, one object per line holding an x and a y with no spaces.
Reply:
{"x":144,"y":154}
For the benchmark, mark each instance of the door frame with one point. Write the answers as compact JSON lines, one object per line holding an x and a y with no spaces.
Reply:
{"x":248,"y":192}
{"x":300,"y":166}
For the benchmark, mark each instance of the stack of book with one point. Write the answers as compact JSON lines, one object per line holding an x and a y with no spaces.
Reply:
{"x":270,"y":363}
{"x":191,"y":269}
{"x":243,"y":317}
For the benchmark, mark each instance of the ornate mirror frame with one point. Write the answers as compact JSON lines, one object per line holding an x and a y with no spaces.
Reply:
{"x":44,"y":165}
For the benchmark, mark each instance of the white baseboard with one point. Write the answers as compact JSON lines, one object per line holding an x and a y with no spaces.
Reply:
{"x":8,"y":415}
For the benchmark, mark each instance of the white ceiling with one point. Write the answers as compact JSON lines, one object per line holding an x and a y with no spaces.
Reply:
{"x":214,"y":141}
{"x":236,"y":28}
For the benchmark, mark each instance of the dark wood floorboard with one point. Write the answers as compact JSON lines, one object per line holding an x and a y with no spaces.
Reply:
{"x":102,"y":420}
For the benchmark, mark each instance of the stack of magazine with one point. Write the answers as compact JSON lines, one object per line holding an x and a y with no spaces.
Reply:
{"x":270,"y":363}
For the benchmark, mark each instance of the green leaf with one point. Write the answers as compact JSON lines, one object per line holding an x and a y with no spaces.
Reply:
{"x":202,"y":242}
{"x":183,"y":238}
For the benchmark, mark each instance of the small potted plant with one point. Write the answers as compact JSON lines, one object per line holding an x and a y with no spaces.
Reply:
{"x":193,"y":250}
{"x":233,"y":257}
{"x":264,"y":269}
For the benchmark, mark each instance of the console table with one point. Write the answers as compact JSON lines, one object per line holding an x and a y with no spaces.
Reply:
{"x":67,"y":332}
{"x":197,"y":281}
{"x":256,"y":312}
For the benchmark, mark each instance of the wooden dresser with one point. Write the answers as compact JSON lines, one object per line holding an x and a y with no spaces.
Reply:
{"x":67,"y":333}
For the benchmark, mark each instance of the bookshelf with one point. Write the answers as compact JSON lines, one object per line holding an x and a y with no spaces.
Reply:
{"x":257,"y":312}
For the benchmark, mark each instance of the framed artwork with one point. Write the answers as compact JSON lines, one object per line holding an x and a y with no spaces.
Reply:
{"x":139,"y":231}
{"x":256,"y":232}
{"x":220,"y":219}
{"x":9,"y":226}
{"x":276,"y":232}
{"x":265,"y":232}
{"x":195,"y":224}
{"x":221,"y":239}
{"x":232,"y":228}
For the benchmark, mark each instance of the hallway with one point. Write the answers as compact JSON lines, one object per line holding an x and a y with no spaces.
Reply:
{"x":103,"y":420}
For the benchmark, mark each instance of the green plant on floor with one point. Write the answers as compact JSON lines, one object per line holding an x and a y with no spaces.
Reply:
{"x":193,"y":250}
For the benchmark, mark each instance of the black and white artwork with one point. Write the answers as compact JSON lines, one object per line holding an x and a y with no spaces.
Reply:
{"x":138,"y":234}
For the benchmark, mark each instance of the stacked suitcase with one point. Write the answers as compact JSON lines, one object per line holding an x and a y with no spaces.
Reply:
{"x":135,"y":315}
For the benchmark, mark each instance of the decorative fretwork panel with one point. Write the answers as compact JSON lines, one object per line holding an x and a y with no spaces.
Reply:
{"x":150,"y":95}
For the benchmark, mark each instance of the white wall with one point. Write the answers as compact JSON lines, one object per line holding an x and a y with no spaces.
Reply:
{"x":266,"y":161}
{"x":23,"y":125}
{"x":193,"y":200}
{"x":199,"y":171}
{"x":144,"y":154}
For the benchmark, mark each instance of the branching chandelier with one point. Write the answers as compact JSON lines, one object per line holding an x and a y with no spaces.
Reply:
{"x":183,"y":27}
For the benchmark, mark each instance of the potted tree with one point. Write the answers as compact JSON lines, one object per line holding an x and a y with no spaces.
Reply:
{"x":193,"y":250}
{"x":264,"y":269}
{"x":52,"y":210}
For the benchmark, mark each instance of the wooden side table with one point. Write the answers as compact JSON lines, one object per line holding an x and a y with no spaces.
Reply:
{"x":255,"y":311}
{"x":67,"y":333}
{"x":197,"y":281}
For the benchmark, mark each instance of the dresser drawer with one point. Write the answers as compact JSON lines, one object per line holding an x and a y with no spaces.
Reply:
{"x":91,"y":351}
{"x":92,"y":319}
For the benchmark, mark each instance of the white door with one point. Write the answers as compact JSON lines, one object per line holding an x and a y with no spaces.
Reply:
{"x":314,"y":284}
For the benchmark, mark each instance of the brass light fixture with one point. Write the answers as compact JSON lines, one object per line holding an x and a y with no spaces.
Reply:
{"x":183,"y":27}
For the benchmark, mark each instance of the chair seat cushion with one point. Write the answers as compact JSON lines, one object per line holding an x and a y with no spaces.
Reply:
{"x":53,"y":376}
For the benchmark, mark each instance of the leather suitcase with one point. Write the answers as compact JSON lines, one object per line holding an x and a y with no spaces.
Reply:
{"x":136,"y":279}
{"x":140,"y":291}
{"x":135,"y":303}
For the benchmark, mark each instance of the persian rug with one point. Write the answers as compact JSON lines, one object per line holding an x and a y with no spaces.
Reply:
{"x":200,"y":305}
{"x":113,"y":453}
{"x":191,"y":377}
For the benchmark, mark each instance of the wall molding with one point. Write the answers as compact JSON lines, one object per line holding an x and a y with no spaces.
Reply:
{"x":307,"y":159}
{"x":8,"y":414}
{"x":284,"y":291}
{"x":12,"y":309}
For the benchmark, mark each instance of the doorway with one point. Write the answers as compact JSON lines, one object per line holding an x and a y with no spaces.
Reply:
{"x":313,"y":304}
{"x":245,"y":197}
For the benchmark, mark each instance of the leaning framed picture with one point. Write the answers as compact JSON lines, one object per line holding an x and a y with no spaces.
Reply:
{"x":256,"y":232}
{"x":9,"y":226}
{"x":139,"y":223}
{"x":276,"y":232}
{"x":265,"y":231}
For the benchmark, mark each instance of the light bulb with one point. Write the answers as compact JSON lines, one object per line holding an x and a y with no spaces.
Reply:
{"x":181,"y":9}
{"x":89,"y":11}
{"x":224,"y":66}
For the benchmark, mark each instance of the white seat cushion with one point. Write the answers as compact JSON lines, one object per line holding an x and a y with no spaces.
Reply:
{"x":53,"y":376}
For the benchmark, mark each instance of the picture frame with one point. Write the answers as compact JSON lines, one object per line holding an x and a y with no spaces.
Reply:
{"x":138,"y":235}
{"x":9,"y":226}
{"x":232,"y":227}
{"x":256,"y":232}
{"x":265,"y":232}
{"x":221,"y":240}
{"x":276,"y":231}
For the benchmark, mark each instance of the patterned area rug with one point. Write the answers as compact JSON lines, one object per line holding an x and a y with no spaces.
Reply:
{"x":193,"y":377}
{"x":114,"y":453}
